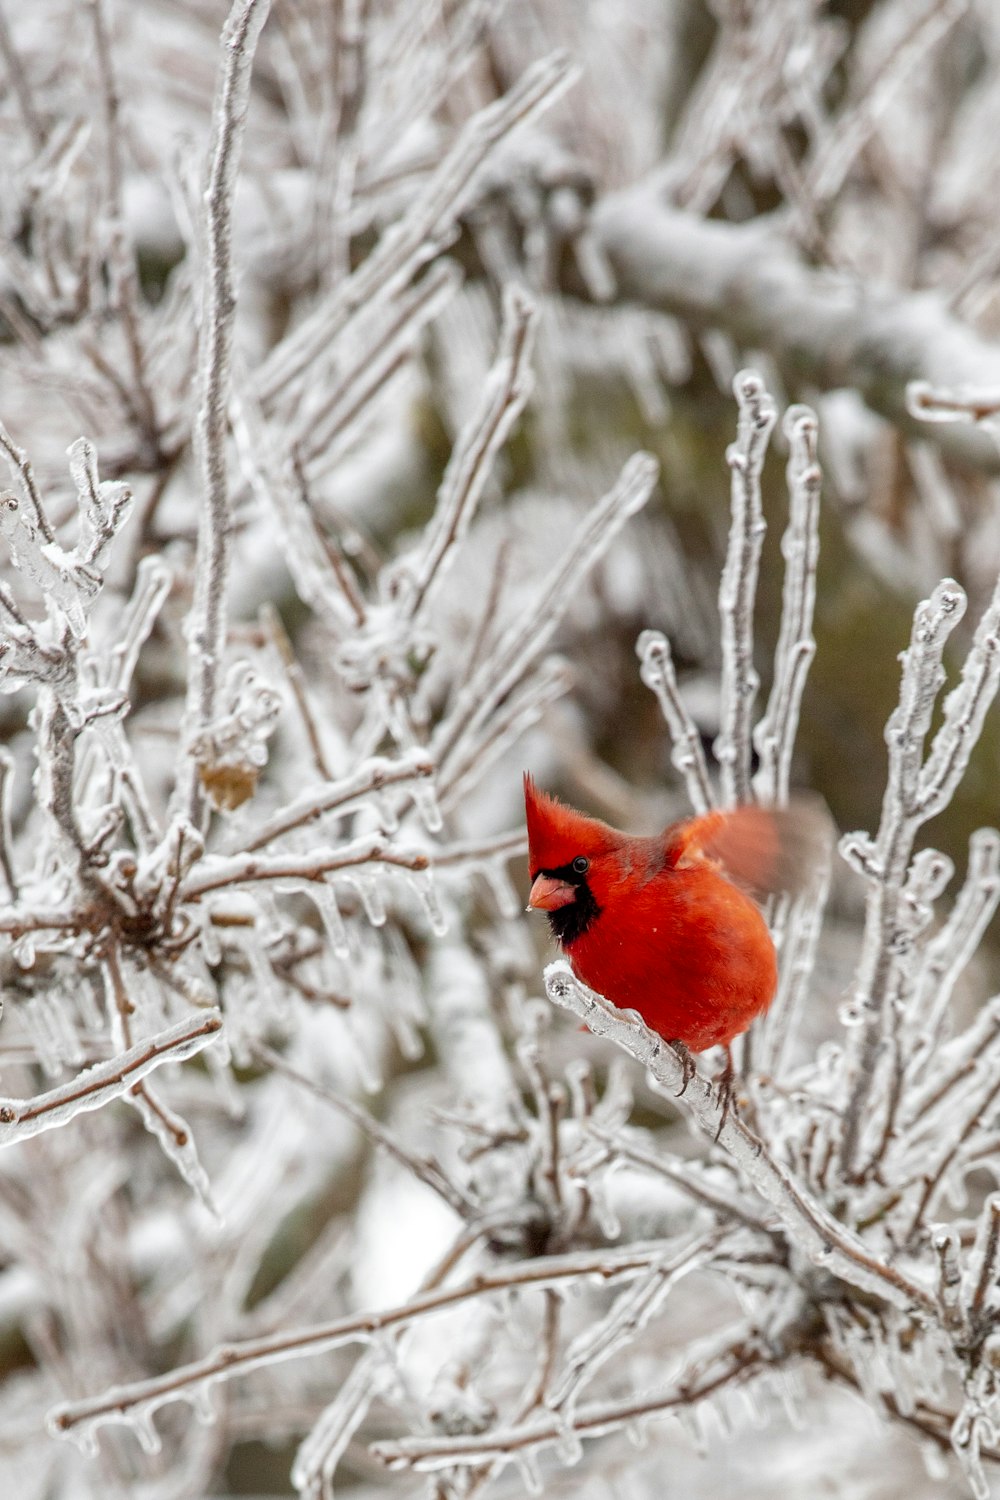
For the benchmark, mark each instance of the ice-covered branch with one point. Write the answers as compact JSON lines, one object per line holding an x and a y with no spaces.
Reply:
{"x":916,"y":790}
{"x":885,"y":860}
{"x":218,"y":871}
{"x":774,"y":736}
{"x":425,"y":228}
{"x":99,"y":1085}
{"x":808,"y":1223}
{"x":523,"y":643}
{"x":594,"y":1419}
{"x":687,"y":754}
{"x":822,"y":328}
{"x":368,"y":780}
{"x":738,"y":589}
{"x":119,"y":1403}
{"x":504,"y":394}
{"x":207,"y":626}
{"x":949,"y":951}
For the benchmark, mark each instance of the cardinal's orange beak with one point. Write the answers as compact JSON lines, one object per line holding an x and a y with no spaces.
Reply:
{"x":548,"y":894}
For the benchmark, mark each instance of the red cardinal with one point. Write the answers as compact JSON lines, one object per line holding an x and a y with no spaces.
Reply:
{"x":664,"y":925}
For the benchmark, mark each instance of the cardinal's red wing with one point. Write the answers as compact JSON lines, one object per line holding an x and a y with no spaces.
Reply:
{"x":765,"y":849}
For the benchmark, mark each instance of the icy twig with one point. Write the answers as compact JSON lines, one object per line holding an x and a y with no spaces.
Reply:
{"x":372,"y":777}
{"x":860,"y":119}
{"x":7,"y":867}
{"x":628,"y":1315}
{"x":207,"y":625}
{"x":68,"y":580}
{"x":685,"y":1175}
{"x":964,"y":711}
{"x":322,"y":1448}
{"x":946,"y":1245}
{"x":326,"y":425}
{"x":295,"y":677}
{"x":932,"y":404}
{"x":426,"y":226}
{"x":884,"y":861}
{"x":99,"y":1085}
{"x":124,"y":283}
{"x":595,"y":1419}
{"x":948,"y":1157}
{"x":739,"y":680}
{"x":948,"y":953}
{"x":987,"y":1254}
{"x":314,"y":561}
{"x":241,"y":1356}
{"x":174,"y":1135}
{"x":505,"y":391}
{"x":523,"y":643}
{"x":425,"y":1169}
{"x":24,"y":477}
{"x":809,"y":1224}
{"x":219,"y":871}
{"x":687,"y":755}
{"x":774,"y":736}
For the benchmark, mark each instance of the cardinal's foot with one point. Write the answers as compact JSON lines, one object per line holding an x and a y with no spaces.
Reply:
{"x":688,"y":1065}
{"x":726,"y":1092}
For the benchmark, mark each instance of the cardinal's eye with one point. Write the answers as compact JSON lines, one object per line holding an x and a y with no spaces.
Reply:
{"x":581,"y":864}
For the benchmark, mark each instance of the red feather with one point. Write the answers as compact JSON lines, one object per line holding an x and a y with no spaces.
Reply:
{"x":666,"y":925}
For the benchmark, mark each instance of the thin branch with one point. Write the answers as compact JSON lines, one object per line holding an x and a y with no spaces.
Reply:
{"x":251,"y":1354}
{"x":824,"y":1241}
{"x":505,"y":391}
{"x":372,"y":777}
{"x":424,"y":1168}
{"x":273,"y":624}
{"x":738,"y":589}
{"x":687,"y":755}
{"x":592,"y":1420}
{"x":774,"y":736}
{"x":99,"y":1085}
{"x":207,"y":626}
